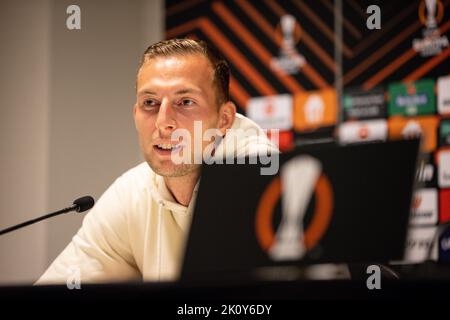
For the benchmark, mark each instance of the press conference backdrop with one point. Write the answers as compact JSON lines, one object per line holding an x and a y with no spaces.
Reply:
{"x":342,"y":70}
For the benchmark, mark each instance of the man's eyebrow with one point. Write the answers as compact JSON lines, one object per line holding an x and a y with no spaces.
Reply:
{"x":181,"y":91}
{"x":188,"y":90}
{"x":146,"y":92}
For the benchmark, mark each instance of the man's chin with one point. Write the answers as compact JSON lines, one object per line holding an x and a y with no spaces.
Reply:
{"x":171,"y":170}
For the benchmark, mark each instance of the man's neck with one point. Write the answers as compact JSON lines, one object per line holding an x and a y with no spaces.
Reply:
{"x":182,"y":188}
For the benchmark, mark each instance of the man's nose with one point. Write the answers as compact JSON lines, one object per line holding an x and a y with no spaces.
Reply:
{"x":165,"y":120}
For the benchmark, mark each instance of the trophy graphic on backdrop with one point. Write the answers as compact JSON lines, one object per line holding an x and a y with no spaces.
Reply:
{"x":299,"y":177}
{"x":287,"y":26}
{"x":431,"y":13}
{"x":289,"y":60}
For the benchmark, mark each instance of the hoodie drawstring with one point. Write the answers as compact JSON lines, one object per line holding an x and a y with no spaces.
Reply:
{"x":159,"y":241}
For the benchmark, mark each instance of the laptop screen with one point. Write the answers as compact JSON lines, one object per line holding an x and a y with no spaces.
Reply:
{"x":325,"y":204}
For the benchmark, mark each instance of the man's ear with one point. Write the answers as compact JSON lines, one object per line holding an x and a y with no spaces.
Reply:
{"x":227,"y":113}
{"x":134,"y":115}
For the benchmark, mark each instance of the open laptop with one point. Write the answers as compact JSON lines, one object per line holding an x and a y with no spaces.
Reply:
{"x":326,"y":204}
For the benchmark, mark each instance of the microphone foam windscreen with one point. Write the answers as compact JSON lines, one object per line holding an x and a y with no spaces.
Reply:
{"x":84,"y":203}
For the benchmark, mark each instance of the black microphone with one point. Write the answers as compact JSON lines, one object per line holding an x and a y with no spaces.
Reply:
{"x":80,"y":205}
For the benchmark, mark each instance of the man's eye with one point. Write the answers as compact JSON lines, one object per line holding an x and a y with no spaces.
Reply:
{"x":187,"y":102}
{"x":149,"y":103}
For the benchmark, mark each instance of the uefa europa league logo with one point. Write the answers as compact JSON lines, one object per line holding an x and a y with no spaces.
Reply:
{"x":431,"y":13}
{"x":289,"y":60}
{"x":301,"y":180}
{"x":299,"y":176}
{"x":287,"y":29}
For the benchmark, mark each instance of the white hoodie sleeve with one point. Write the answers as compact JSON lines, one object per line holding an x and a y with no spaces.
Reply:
{"x":100,"y":251}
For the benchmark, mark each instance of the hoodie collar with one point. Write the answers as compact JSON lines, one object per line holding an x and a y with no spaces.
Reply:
{"x":164,"y":197}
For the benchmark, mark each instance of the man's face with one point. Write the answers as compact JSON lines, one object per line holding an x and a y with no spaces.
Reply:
{"x":172,"y":93}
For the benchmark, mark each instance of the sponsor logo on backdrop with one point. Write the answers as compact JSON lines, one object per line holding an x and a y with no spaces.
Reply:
{"x":285,"y":140}
{"x":432,"y":42}
{"x":444,"y":205}
{"x":271,"y":112}
{"x":412,"y":130}
{"x":418,"y":244}
{"x":289,"y":59}
{"x":358,"y":131}
{"x":444,"y":132}
{"x":315,"y":109}
{"x":363,"y":132}
{"x":411,"y":99}
{"x":407,"y":128}
{"x":443,"y":85}
{"x":364,"y":105}
{"x":425,"y":173}
{"x":424,"y":207}
{"x":443,"y":160}
{"x":301,"y":179}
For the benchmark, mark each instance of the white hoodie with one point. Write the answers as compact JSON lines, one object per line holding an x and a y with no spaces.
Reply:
{"x":137,"y":230}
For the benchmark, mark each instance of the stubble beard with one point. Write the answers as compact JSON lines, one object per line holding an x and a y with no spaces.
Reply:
{"x":171,"y":170}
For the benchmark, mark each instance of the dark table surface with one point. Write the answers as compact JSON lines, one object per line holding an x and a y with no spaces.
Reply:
{"x":424,"y":281}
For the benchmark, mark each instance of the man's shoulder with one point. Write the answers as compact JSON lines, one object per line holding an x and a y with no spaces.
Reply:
{"x":131,"y":188}
{"x":252,"y":139}
{"x":242,"y":122}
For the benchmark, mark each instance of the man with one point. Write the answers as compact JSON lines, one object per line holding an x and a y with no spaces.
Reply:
{"x":137,"y":229}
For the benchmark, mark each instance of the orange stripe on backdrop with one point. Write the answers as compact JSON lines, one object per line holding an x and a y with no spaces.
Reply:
{"x":314,"y":19}
{"x":349,"y":76}
{"x":270,"y":32}
{"x":430,"y":64}
{"x":275,"y":7}
{"x":357,"y":8}
{"x":181,"y":29}
{"x":233,"y":54}
{"x":254,"y":45}
{"x":319,"y":52}
{"x":386,"y":27}
{"x":181,"y":6}
{"x":328,"y":5}
{"x":320,"y":25}
{"x":312,"y":74}
{"x":192,"y":36}
{"x":380,"y":76}
{"x":238,"y":93}
{"x":394,"y":65}
{"x":350,"y":28}
{"x":258,"y":19}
